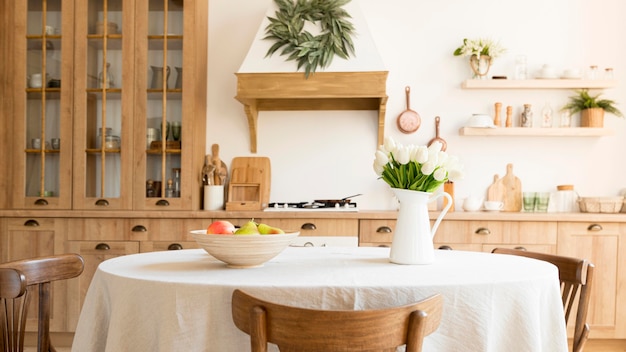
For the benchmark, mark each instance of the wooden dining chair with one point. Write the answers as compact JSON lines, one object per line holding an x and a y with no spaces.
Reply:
{"x":38,"y":274}
{"x":576,"y":276}
{"x":12,"y":286}
{"x":310,"y":330}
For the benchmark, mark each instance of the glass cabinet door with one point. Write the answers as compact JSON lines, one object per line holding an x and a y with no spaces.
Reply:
{"x":103,"y":104}
{"x":43,"y":87}
{"x":160,"y":61}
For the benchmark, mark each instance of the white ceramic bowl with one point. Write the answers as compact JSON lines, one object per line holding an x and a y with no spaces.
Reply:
{"x":243,"y":251}
{"x":481,"y":120}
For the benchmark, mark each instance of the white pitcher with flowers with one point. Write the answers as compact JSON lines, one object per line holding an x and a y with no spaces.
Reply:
{"x":414,"y":173}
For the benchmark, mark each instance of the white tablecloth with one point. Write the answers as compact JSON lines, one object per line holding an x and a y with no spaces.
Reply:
{"x":180,"y":300}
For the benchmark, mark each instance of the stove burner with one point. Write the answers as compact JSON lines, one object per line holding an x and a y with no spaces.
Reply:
{"x":311,"y":205}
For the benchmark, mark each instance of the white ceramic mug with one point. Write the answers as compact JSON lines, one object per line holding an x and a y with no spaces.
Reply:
{"x":493,"y":205}
{"x":35,"y":80}
{"x":50,"y":30}
{"x":472,"y":203}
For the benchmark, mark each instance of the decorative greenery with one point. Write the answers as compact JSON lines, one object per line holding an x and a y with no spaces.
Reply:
{"x":417,"y":168}
{"x":478,"y":47}
{"x":583,"y":100}
{"x":311,"y":51}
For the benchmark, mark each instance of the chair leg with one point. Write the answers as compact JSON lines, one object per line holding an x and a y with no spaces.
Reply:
{"x":579,"y":345}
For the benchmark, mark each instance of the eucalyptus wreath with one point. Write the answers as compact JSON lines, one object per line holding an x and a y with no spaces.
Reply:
{"x":311,"y":51}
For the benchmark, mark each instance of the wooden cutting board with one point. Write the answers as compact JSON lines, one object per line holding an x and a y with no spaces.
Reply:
{"x":250,"y":180}
{"x":495,"y":192}
{"x":512,"y":190}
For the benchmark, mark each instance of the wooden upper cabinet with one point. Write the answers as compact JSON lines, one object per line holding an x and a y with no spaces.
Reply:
{"x":40,"y":91}
{"x":103,"y":104}
{"x":169,"y":105}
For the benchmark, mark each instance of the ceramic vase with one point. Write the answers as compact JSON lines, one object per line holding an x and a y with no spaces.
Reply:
{"x":413,"y":237}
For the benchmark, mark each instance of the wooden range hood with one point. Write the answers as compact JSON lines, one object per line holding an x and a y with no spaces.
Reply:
{"x":321,"y":91}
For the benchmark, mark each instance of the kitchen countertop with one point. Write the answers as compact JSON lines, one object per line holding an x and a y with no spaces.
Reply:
{"x":362,"y":214}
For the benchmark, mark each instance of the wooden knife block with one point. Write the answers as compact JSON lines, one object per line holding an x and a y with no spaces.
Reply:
{"x":249,"y":187}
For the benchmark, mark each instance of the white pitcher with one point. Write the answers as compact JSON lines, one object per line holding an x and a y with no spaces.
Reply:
{"x":413,"y":238}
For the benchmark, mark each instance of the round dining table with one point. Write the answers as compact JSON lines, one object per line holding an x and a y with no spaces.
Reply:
{"x":181,"y":300}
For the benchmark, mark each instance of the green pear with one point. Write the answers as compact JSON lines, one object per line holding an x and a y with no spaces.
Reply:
{"x":265,"y":229}
{"x":249,"y":228}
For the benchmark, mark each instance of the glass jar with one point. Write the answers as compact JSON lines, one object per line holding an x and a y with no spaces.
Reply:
{"x":546,"y":115}
{"x":566,"y":199}
{"x":566,"y":119}
{"x":593,"y":72}
{"x":608,"y":73}
{"x":527,"y":116}
{"x":520,"y":67}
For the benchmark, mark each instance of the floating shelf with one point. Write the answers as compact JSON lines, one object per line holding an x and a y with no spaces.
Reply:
{"x":536,"y":132}
{"x":321,"y":91}
{"x":538,"y":84}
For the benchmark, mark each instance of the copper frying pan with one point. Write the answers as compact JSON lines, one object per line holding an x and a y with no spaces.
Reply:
{"x":437,"y":138}
{"x":408,"y":121}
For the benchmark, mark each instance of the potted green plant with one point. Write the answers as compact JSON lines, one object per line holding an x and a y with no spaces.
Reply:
{"x":591,"y":108}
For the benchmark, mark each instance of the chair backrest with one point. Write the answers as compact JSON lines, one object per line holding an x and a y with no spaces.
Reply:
{"x":38,"y":273}
{"x":576,"y":276}
{"x":309,"y":330}
{"x":12,"y":286}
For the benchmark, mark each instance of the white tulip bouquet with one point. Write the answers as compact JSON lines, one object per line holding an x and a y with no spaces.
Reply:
{"x":417,"y":168}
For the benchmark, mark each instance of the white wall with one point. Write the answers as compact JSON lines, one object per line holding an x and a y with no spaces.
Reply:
{"x":329,"y":154}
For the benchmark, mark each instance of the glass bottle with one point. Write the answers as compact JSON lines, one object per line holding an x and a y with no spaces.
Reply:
{"x":106,"y":82}
{"x":546,"y":116}
{"x":169,"y":191}
{"x":527,"y":116}
{"x":176,"y":182}
{"x":593,"y":72}
{"x":566,"y":119}
{"x":150,"y":189}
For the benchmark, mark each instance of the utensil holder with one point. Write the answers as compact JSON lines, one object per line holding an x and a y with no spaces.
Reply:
{"x":214,"y":197}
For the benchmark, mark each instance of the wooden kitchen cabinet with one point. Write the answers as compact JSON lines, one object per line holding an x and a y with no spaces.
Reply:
{"x":139,"y":112}
{"x":481,"y":235}
{"x":602,"y":244}
{"x":40,"y":90}
{"x":83,"y":106}
{"x":22,"y":238}
{"x":93,"y":253}
{"x":318,"y":226}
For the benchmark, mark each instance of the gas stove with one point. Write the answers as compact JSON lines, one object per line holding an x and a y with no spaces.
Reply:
{"x":312,"y":206}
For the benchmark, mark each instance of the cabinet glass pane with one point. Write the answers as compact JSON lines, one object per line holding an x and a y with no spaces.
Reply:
{"x":42,"y":99}
{"x":164,"y":98}
{"x":103,"y":99}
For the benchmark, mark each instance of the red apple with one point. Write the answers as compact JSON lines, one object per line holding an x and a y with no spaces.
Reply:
{"x":221,"y":227}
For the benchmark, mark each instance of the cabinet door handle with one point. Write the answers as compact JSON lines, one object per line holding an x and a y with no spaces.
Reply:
{"x":174,"y":247}
{"x":383,"y":229}
{"x":139,"y":228}
{"x":41,"y":201}
{"x":521,"y":248}
{"x":163,"y":203}
{"x":31,"y":222}
{"x":308,"y":226}
{"x":482,"y":231}
{"x":594,"y":227}
{"x":103,"y":247}
{"x":445,"y":247}
{"x":383,"y":245}
{"x":102,"y":202}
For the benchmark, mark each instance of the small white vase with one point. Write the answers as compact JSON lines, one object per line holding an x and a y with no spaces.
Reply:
{"x":413,"y":238}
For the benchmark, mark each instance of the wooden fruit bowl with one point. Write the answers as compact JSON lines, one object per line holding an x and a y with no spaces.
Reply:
{"x":243,"y":251}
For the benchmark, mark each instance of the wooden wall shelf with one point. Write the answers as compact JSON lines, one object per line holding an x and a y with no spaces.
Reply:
{"x":537,"y":84}
{"x":536,"y":132}
{"x":321,"y":91}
